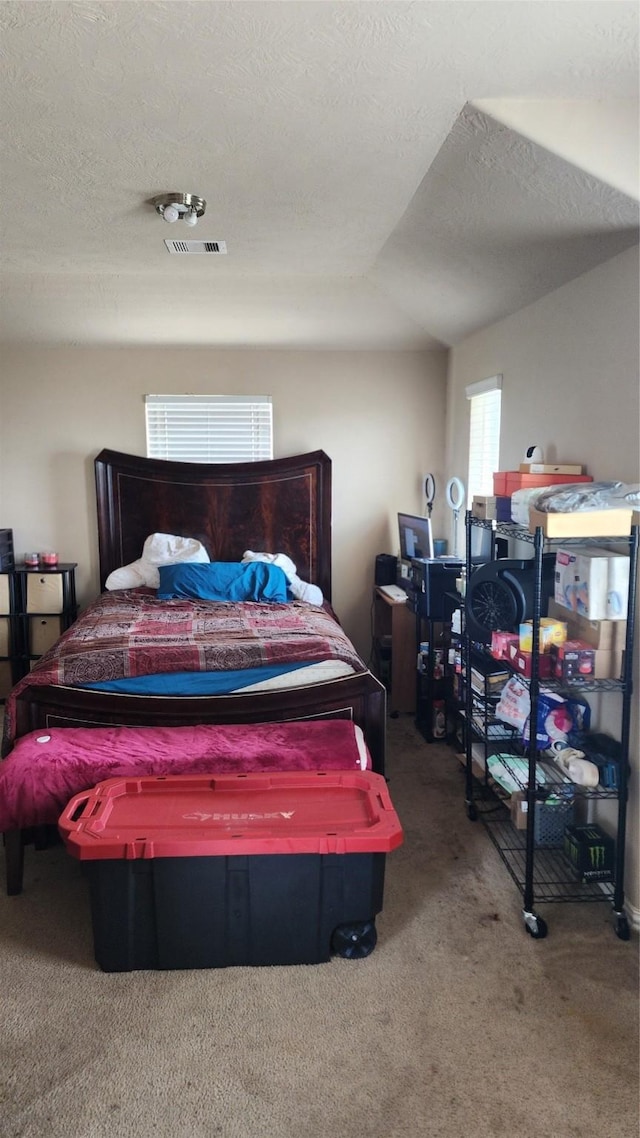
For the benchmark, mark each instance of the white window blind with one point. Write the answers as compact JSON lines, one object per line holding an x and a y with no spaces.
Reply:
{"x":209,"y":428}
{"x":484,"y":434}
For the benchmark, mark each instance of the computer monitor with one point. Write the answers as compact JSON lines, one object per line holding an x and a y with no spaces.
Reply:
{"x":416,"y":539}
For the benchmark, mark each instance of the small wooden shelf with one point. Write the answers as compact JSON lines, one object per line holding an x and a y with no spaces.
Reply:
{"x":395,"y":651}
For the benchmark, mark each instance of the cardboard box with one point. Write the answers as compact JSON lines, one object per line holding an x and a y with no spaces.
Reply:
{"x":608,"y":665}
{"x":501,"y":642}
{"x":601,"y":634}
{"x":551,"y":633}
{"x":590,"y":851}
{"x":488,"y":683}
{"x":503,"y":509}
{"x":585,"y":523}
{"x":483,"y":508}
{"x":593,"y":582}
{"x":519,"y":808}
{"x":546,"y":468}
{"x":574,"y":659}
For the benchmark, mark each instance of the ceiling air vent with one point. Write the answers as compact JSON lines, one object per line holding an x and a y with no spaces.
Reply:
{"x":190,"y":247}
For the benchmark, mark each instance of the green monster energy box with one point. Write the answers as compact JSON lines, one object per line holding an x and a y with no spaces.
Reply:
{"x":590,"y":851}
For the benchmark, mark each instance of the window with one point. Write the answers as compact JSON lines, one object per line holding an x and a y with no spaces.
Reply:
{"x":209,"y":428}
{"x":484,"y":434}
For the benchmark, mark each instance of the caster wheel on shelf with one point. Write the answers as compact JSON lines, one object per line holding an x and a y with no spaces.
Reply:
{"x":535,"y":926}
{"x":622,"y":929}
{"x":354,"y":941}
{"x":472,"y":812}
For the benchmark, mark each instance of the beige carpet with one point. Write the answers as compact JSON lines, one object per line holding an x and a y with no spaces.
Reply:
{"x":458,"y":1024}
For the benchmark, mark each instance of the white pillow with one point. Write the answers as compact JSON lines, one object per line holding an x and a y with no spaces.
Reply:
{"x":158,"y":549}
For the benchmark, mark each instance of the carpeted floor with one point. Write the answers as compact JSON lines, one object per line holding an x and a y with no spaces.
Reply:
{"x":459,"y":1023}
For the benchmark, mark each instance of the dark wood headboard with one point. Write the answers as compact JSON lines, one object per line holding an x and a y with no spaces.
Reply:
{"x":279,"y":506}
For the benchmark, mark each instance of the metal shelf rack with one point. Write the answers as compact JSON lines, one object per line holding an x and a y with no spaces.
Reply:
{"x":541,"y":872}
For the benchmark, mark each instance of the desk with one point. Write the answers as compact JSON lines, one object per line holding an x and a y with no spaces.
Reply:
{"x":395,"y":650}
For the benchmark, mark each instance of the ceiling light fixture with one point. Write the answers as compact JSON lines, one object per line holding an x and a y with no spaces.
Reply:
{"x":173,"y":206}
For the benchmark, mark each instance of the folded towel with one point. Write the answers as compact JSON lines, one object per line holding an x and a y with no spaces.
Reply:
{"x":301,"y":590}
{"x":158,"y":549}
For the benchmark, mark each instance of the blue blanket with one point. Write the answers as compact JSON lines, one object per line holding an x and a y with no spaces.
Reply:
{"x":192,"y":683}
{"x":224,"y":581}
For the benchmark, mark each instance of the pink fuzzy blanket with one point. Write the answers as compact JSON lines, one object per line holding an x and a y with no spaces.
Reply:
{"x":46,"y":768}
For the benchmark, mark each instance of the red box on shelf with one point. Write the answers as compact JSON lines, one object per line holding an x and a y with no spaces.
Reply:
{"x":521,"y":661}
{"x":502,"y":642}
{"x":506,"y":482}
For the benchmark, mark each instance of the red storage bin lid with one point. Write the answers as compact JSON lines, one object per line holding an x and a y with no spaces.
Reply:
{"x":318,"y":812}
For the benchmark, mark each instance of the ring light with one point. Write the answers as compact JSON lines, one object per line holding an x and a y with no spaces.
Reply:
{"x":455,"y":494}
{"x":430,"y":491}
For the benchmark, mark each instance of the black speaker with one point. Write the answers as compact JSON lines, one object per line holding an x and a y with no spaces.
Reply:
{"x":386,"y":569}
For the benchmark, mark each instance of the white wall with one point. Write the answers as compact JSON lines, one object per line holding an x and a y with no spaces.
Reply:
{"x":378,"y":415}
{"x":570,"y":384}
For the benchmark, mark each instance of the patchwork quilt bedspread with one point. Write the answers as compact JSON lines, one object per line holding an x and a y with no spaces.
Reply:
{"x":131,"y":633}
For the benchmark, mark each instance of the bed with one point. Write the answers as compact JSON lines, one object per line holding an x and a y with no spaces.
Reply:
{"x":281,"y":505}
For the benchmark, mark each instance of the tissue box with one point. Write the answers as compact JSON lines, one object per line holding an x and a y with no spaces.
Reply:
{"x":592,"y":582}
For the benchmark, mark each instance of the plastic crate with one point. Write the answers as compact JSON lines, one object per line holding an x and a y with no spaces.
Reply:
{"x":190,"y":871}
{"x":551,"y":817}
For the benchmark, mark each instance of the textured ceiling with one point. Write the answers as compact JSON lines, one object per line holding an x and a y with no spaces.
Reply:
{"x":353,"y":156}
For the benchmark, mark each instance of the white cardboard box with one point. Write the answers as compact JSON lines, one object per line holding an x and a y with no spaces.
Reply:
{"x":592,"y":582}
